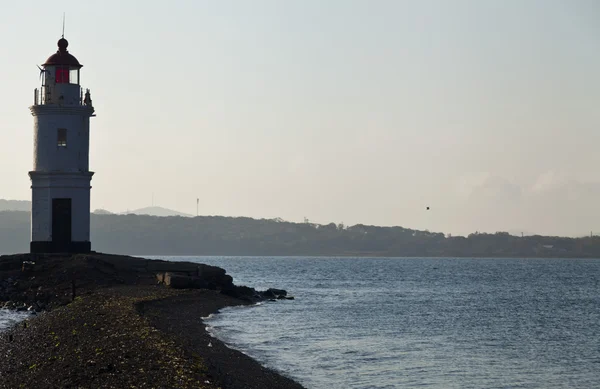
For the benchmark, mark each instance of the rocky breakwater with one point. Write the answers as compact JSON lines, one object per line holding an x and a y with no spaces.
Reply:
{"x":43,"y":282}
{"x":113,"y":321}
{"x":214,"y":278}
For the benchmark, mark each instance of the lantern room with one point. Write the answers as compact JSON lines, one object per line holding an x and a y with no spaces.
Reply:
{"x":60,"y":78}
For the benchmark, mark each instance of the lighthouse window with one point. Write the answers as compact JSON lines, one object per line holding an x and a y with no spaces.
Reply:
{"x":62,"y":75}
{"x":74,"y":76}
{"x":61,"y":137}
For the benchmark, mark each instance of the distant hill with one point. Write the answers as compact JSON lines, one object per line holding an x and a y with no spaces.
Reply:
{"x":15,"y":205}
{"x":25,"y":205}
{"x":217,"y":235}
{"x":156,"y":211}
{"x":101,"y":211}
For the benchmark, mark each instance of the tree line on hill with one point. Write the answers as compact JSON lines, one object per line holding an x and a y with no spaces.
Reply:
{"x":217,"y":235}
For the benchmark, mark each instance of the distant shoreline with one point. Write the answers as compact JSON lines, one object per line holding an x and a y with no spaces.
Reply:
{"x":239,"y":236}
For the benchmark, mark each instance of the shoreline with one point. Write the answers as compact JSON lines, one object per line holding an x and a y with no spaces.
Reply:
{"x":235,"y":369}
{"x":126,"y":333}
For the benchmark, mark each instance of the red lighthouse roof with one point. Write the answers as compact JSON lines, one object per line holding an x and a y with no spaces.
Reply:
{"x":62,"y":56}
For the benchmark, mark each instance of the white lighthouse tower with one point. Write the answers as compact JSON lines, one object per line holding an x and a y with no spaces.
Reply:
{"x":60,"y":180}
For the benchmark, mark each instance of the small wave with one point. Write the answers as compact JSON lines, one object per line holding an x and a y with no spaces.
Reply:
{"x":9,"y":318}
{"x":209,"y":317}
{"x":211,"y":331}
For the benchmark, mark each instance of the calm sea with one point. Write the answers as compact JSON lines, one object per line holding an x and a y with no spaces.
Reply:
{"x":432,"y":323}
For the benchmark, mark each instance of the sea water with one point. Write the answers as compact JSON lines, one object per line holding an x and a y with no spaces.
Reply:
{"x":417,"y":322}
{"x":9,"y":318}
{"x":420,"y":322}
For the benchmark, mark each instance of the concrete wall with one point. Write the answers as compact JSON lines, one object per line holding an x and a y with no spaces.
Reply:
{"x":46,"y":187}
{"x":47,"y":155}
{"x":61,"y":171}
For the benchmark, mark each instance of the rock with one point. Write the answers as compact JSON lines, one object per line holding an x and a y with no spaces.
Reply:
{"x":176,"y":281}
{"x":108,"y":368}
{"x":189,"y":280}
{"x":241,"y":292}
{"x":9,"y":305}
{"x":27,"y":266}
{"x":49,"y":278}
{"x":272,"y":293}
{"x":278,"y":292}
{"x":179,"y":281}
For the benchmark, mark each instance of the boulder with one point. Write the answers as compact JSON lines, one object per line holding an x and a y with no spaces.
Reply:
{"x":214,"y":279}
{"x":241,"y":292}
{"x":272,"y":293}
{"x":178,"y":281}
{"x":27,"y":266}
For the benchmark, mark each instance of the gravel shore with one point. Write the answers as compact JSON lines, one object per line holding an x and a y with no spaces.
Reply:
{"x":130,"y":333}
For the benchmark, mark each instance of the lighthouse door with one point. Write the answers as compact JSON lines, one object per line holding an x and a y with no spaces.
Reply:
{"x":61,"y":222}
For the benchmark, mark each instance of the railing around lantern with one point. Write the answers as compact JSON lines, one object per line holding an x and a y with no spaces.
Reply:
{"x":44,"y":96}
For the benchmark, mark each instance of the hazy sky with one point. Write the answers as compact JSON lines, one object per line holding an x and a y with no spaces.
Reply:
{"x":337,"y":110}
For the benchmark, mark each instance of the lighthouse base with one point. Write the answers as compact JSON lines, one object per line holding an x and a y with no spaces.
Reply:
{"x":60,"y":247}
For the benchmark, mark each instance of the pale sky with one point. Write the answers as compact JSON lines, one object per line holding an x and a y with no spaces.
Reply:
{"x":337,"y":110}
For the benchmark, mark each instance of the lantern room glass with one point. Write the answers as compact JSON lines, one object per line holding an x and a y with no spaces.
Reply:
{"x":66,"y":75}
{"x":74,"y":76}
{"x":62,"y":75}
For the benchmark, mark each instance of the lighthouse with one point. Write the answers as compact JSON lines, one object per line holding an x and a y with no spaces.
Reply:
{"x":61,"y":179}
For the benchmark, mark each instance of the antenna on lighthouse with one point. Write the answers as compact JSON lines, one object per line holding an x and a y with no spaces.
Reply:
{"x":63,"y":30}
